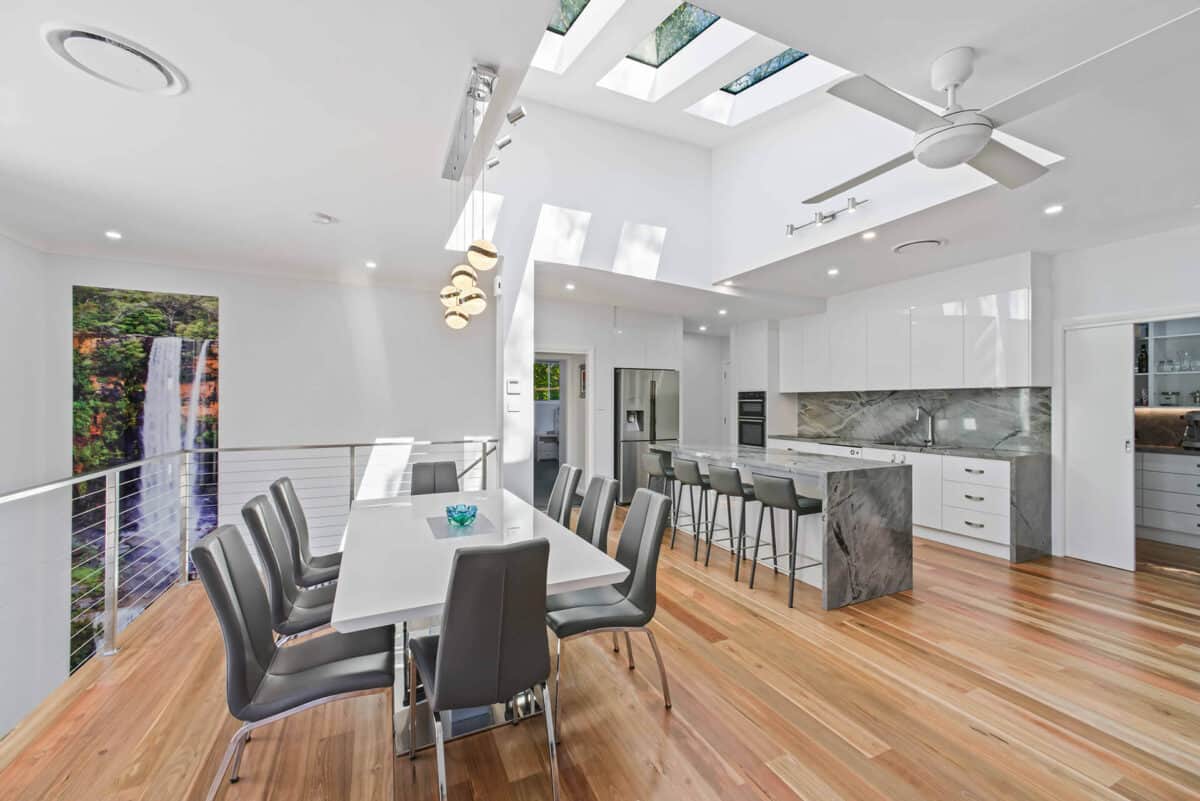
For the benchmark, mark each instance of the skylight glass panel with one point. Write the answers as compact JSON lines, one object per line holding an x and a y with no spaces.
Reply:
{"x":763,"y":71}
{"x":564,"y":18}
{"x":676,"y":31}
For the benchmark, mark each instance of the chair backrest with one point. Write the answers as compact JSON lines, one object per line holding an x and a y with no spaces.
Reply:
{"x":778,"y":492}
{"x":562,"y":496}
{"x":272,"y":542}
{"x":237,"y":596}
{"x":493,"y":642}
{"x":431,"y":477}
{"x":688,"y":471}
{"x":655,"y":463}
{"x":295,"y":524}
{"x":596,"y":512}
{"x":725,"y":480}
{"x":638,"y":549}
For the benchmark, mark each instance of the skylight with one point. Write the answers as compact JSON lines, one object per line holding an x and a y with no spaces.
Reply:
{"x":674,"y":33}
{"x":564,"y":18}
{"x":763,"y":71}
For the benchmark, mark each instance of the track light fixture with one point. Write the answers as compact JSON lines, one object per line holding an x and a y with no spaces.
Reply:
{"x":822,"y":217}
{"x":516,"y":115}
{"x":503,"y":142}
{"x":493,"y":163}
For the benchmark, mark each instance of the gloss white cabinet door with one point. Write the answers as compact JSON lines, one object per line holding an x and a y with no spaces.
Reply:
{"x":927,"y":489}
{"x":997,"y":331}
{"x":816,"y":353}
{"x":888,"y":356}
{"x":936,"y":345}
{"x":791,"y":355}
{"x":848,"y":351}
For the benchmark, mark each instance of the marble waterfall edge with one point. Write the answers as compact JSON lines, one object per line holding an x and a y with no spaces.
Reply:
{"x":868,"y":548}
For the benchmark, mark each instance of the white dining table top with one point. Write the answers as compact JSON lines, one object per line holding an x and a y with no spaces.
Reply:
{"x":394,"y":569}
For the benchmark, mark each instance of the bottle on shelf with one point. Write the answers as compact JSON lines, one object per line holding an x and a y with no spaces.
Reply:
{"x":1143,"y":360}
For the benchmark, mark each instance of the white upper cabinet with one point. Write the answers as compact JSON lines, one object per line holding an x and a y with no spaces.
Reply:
{"x":847,"y":350}
{"x":791,"y":355}
{"x":888,"y":357}
{"x":936,"y":345}
{"x":816,"y":353}
{"x":997,"y":335}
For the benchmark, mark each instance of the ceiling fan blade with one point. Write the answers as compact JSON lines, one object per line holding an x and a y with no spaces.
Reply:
{"x":868,"y":93}
{"x":860,"y":179}
{"x":1006,"y":166}
{"x":1157,"y":48}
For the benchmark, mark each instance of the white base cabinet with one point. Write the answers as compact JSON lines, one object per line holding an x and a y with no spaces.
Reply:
{"x":1167,"y":494}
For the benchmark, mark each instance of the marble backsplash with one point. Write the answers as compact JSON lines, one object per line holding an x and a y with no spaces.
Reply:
{"x":1006,"y":419}
{"x":1159,"y":426}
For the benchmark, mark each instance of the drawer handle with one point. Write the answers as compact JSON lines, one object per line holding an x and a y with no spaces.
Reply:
{"x":980,"y":498}
{"x":980,"y":525}
{"x":976,"y":472}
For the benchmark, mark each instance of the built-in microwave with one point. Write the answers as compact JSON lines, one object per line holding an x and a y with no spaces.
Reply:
{"x":752,"y":418}
{"x":752,"y":405}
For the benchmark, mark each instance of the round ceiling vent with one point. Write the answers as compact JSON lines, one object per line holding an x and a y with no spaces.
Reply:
{"x":114,"y":59}
{"x":917,"y":246}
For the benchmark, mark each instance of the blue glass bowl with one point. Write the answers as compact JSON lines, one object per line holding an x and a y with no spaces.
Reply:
{"x":461,"y":515}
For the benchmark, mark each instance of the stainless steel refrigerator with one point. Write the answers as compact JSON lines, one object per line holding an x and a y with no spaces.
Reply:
{"x":645,"y":410}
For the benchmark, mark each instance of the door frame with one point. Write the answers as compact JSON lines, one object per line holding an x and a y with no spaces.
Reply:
{"x":589,"y":433}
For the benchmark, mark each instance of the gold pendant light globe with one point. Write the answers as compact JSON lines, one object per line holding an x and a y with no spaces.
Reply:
{"x":456,"y":319}
{"x":474,"y":301}
{"x":450,"y":296}
{"x":463,"y":277}
{"x":482,"y":255}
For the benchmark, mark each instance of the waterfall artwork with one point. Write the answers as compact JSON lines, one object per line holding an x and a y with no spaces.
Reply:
{"x":146,"y":373}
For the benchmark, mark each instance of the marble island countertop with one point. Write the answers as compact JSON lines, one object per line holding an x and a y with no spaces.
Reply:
{"x":804,"y":464}
{"x":940,"y":450}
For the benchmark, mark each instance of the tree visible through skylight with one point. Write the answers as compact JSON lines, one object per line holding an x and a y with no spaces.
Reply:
{"x":676,"y":31}
{"x":564,"y":18}
{"x":763,"y":71}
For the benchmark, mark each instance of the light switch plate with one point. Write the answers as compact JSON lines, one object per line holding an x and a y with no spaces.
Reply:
{"x":512,"y":386}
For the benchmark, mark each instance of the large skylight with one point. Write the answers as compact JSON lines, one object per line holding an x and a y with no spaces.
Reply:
{"x":763,"y":71}
{"x":674,"y":33}
{"x":564,"y":18}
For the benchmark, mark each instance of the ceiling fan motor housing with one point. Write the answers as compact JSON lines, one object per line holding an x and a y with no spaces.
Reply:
{"x":958,"y":141}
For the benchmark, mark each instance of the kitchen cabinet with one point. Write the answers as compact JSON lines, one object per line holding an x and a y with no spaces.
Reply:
{"x":816,"y":353}
{"x":997,"y":330}
{"x":936,"y":345}
{"x":888,"y":357}
{"x":791,"y":354}
{"x":847,"y":351}
{"x":1167,"y":489}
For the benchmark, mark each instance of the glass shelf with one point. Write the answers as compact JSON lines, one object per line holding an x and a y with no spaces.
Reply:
{"x":1175,"y":372}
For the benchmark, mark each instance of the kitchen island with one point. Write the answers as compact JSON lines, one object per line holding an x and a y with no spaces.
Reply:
{"x":864,"y":535}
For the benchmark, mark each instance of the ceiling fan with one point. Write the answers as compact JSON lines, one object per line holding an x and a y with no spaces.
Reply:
{"x":964,"y":136}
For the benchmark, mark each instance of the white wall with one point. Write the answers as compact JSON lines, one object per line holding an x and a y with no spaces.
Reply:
{"x":1131,"y":280}
{"x":702,"y":393}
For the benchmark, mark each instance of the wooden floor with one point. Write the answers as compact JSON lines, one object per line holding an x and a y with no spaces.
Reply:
{"x":1165,"y":559}
{"x":1056,"y":680}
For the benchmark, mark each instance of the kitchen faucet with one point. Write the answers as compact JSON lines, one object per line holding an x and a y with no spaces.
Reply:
{"x":928,"y":425}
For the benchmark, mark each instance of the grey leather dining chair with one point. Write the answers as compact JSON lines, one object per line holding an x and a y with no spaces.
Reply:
{"x":311,"y":570}
{"x":625,"y":607}
{"x":493,"y":642}
{"x":264,"y":682}
{"x":429,"y":478}
{"x":562,"y":495}
{"x":595,"y":515}
{"x":293,"y":610}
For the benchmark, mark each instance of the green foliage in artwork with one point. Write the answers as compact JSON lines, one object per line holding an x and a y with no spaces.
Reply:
{"x":157,"y":314}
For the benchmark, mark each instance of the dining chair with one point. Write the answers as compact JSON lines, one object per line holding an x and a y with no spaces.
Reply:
{"x":265,"y":683}
{"x":493,"y":642}
{"x":429,"y":478}
{"x":311,"y":570}
{"x":562,"y":495}
{"x":294,"y":610}
{"x":625,"y":607}
{"x":595,"y":514}
{"x":779,"y":492}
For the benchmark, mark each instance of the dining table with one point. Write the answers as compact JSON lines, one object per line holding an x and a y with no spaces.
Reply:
{"x":397,"y":557}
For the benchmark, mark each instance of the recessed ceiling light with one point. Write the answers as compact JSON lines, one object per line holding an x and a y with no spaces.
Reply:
{"x":370,"y":265}
{"x":869,"y":235}
{"x":321,"y":218}
{"x":722,"y":312}
{"x":704,"y":328}
{"x":115,"y":60}
{"x":832,"y":271}
{"x":570,"y":287}
{"x":1053,"y":208}
{"x":113,"y":235}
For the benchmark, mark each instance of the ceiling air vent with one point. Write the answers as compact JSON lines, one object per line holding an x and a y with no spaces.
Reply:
{"x":115,"y":60}
{"x":917,"y":246}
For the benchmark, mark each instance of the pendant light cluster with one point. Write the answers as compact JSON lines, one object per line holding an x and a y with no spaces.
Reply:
{"x":463,"y":298}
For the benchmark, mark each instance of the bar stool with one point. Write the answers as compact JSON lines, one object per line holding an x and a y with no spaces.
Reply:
{"x":778,"y":492}
{"x":726,"y":482}
{"x":687,"y":473}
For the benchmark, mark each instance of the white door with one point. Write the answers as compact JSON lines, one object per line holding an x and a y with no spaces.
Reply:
{"x":1097,"y":387}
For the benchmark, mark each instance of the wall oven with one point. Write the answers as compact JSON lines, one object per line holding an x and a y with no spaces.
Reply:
{"x":752,"y":418}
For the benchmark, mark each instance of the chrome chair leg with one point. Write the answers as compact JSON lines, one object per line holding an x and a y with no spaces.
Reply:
{"x":551,"y":737}
{"x":628,"y":647}
{"x":662,"y":669}
{"x":440,"y":741}
{"x":225,"y":760}
{"x":237,"y":758}
{"x":412,"y":707}
{"x":558,"y":679}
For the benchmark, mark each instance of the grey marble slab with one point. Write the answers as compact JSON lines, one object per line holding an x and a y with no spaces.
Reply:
{"x":1011,"y":419}
{"x":774,"y":459}
{"x":1159,"y":427}
{"x":868,"y":549}
{"x":1029,"y":508}
{"x":972,"y":453}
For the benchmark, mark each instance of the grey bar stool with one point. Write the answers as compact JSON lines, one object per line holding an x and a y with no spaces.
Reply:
{"x":429,"y":478}
{"x":659,"y":469}
{"x":778,"y":492}
{"x":687,"y":473}
{"x":726,"y":482}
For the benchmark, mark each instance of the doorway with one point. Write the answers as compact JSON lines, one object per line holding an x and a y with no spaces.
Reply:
{"x":560,"y":428}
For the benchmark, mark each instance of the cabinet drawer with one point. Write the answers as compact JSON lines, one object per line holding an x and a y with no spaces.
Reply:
{"x":981,"y":525}
{"x":1170,"y":482}
{"x":975,"y":497}
{"x":993,"y":472}
{"x":1171,"y":521}
{"x":1172,"y":463}
{"x":1171,"y":502}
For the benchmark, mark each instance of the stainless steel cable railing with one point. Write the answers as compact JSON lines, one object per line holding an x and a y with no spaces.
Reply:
{"x":129,"y":527}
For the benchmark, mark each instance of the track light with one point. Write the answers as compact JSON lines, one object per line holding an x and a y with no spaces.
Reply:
{"x":493,"y":162}
{"x":822,"y":217}
{"x":516,"y":115}
{"x":852,"y":205}
{"x":503,"y":142}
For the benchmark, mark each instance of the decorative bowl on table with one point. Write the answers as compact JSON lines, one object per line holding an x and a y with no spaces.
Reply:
{"x":461,"y":515}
